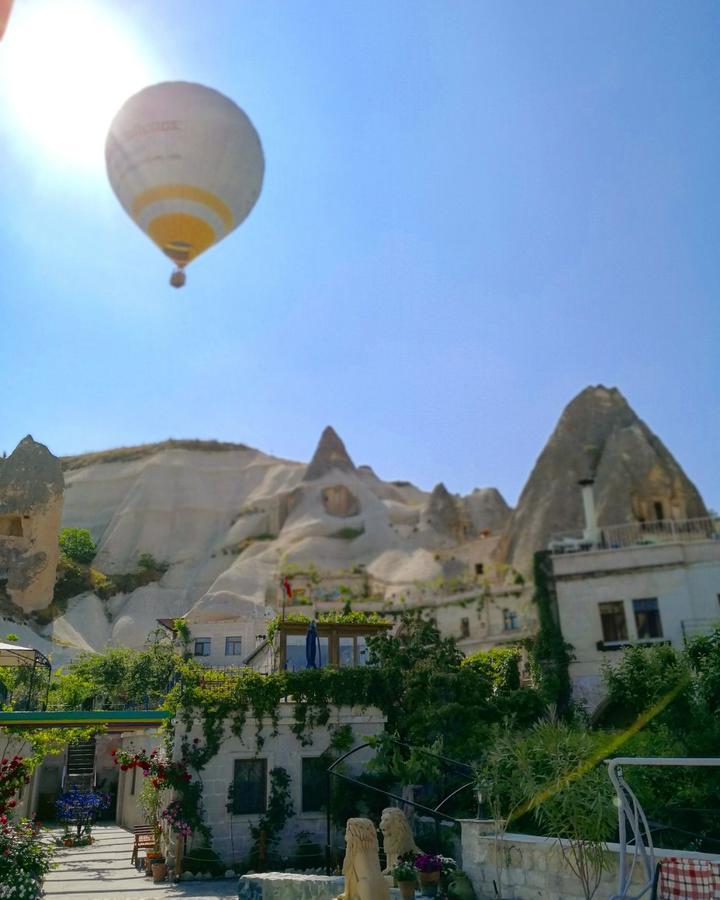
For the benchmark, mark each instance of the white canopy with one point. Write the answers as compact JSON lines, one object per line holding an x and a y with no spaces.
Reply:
{"x":15,"y":655}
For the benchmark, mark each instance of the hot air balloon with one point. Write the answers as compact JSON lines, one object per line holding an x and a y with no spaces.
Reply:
{"x":5,"y":7}
{"x":187,"y":166}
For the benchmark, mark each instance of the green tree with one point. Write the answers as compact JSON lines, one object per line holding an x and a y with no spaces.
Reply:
{"x":429,"y":694}
{"x":501,"y":665}
{"x":558,"y":768}
{"x":77,"y":544}
{"x":120,"y":676}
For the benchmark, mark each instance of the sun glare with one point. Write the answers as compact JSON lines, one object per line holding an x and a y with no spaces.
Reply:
{"x":66,"y":67}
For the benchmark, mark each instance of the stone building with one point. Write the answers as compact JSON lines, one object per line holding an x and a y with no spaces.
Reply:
{"x":633,"y":584}
{"x":31,"y":500}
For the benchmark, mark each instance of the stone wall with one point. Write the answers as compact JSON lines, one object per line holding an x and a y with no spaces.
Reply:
{"x":129,"y":813}
{"x":534,"y":866}
{"x":231,"y":834}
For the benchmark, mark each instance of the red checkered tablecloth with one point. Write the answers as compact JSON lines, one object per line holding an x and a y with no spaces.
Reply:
{"x":689,"y":879}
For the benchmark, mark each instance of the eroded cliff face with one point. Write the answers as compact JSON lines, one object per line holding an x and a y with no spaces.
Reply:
{"x":31,"y":502}
{"x":636,"y":477}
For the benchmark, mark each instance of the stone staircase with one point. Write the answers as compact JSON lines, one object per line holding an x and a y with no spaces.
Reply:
{"x":80,"y":765}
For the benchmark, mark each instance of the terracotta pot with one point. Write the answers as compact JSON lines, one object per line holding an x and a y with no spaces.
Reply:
{"x":159,"y":870}
{"x":407,"y":889}
{"x":429,"y":883}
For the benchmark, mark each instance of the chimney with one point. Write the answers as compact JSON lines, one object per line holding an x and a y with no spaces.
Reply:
{"x":592,"y":532}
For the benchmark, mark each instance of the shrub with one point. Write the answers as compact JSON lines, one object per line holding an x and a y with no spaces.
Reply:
{"x":71,"y":580}
{"x":24,"y":861}
{"x":77,"y":544}
{"x":81,"y":809}
{"x":500,"y":665}
{"x":147,"y":563}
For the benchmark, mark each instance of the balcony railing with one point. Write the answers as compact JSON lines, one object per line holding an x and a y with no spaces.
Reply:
{"x":696,"y":627}
{"x":635,"y":534}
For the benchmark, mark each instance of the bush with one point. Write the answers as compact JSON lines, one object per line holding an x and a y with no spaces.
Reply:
{"x":77,"y":544}
{"x":81,"y":809}
{"x":147,"y":563}
{"x":71,"y":580}
{"x":24,"y":861}
{"x":500,"y":665}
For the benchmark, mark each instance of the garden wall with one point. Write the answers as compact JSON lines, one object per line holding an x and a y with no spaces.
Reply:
{"x":231,"y":834}
{"x":535,"y":869}
{"x":129,"y":814}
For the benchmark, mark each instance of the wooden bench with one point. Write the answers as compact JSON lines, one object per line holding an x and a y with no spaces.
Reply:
{"x":144,"y":840}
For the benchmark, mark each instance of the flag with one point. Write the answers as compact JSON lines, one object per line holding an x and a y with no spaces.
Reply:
{"x":287,"y":587}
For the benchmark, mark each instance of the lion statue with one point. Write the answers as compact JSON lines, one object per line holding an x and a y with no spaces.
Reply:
{"x":363,"y":879}
{"x":397,"y":837}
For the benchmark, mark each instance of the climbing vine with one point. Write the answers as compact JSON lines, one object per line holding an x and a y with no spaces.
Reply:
{"x":550,"y":654}
{"x":266,"y":834}
{"x":335,"y":617}
{"x":184,"y":813}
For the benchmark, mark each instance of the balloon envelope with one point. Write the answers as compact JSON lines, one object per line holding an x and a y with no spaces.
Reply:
{"x":5,"y":7}
{"x":186,"y":164}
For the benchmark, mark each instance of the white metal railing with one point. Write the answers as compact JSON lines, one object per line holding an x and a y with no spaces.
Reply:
{"x":633,"y":534}
{"x":631,"y":817}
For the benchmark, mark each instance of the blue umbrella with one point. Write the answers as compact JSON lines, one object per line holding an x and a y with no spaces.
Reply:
{"x":311,"y":643}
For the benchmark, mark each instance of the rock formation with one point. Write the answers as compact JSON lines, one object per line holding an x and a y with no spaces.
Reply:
{"x":636,"y":476}
{"x":447,"y":515}
{"x":340,"y":501}
{"x":486,"y":510}
{"x":330,"y":454}
{"x":31,"y":501}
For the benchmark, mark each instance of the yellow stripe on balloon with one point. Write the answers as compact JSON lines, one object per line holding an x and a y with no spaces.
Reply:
{"x":180,"y":236}
{"x":184,"y":192}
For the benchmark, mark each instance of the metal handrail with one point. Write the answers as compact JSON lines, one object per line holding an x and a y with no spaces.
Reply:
{"x":331,"y":773}
{"x":631,"y":813}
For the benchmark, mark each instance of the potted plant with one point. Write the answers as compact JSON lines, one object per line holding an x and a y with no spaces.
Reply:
{"x":429,"y":868}
{"x":151,"y":857}
{"x":405,"y":875}
{"x":80,"y":809}
{"x":159,"y":869}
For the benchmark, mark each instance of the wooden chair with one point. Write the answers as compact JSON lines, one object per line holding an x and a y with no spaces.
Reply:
{"x":144,"y":840}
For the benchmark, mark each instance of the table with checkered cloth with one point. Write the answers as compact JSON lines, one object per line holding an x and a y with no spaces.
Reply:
{"x":689,"y":879}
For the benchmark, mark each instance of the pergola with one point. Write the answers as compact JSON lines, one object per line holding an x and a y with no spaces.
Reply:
{"x":15,"y":656}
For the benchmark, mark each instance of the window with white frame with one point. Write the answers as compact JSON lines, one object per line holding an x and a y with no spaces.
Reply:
{"x":510,"y":620}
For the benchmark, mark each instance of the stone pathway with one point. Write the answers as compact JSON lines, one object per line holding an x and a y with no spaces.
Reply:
{"x":103,"y":871}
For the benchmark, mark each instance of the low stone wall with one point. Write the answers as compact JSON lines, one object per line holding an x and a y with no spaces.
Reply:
{"x":534,"y":868}
{"x":284,"y":886}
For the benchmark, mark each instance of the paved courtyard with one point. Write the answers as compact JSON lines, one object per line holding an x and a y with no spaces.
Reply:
{"x":103,"y":870}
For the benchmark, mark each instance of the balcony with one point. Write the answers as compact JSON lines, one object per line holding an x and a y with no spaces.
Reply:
{"x":637,"y":534}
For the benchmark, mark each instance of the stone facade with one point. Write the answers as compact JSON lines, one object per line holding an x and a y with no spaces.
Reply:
{"x":683,"y":578}
{"x":534,"y":868}
{"x":231,"y":834}
{"x":31,"y":500}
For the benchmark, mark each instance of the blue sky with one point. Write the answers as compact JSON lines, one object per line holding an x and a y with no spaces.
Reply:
{"x":471,"y":211}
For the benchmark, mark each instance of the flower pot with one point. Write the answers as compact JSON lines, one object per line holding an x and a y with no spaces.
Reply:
{"x":429,"y":883}
{"x":407,"y":889}
{"x":159,"y":870}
